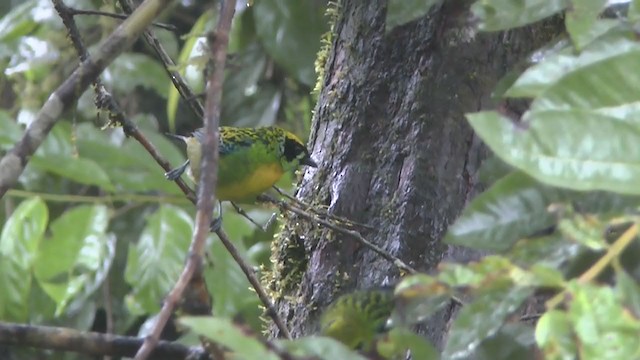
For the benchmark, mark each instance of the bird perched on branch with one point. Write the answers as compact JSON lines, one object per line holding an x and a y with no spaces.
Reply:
{"x":251,"y":160}
{"x":356,"y":318}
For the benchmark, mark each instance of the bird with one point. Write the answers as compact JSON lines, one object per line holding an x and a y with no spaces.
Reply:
{"x":357,"y":318}
{"x":251,"y":160}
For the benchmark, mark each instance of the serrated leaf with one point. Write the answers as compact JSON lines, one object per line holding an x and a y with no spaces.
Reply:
{"x":483,"y":318}
{"x":576,"y":149}
{"x":554,"y":334}
{"x":290,"y":31}
{"x":317,"y":347}
{"x":597,"y":315}
{"x":400,"y":12}
{"x":228,"y":334}
{"x":497,"y":15}
{"x":514,"y":207}
{"x":156,"y":261}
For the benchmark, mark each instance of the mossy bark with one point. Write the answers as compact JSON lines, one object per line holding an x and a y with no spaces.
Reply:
{"x":395,"y":150}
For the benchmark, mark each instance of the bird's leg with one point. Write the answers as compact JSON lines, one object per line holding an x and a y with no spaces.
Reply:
{"x":175,"y":173}
{"x":217,"y":222}
{"x":241,"y":211}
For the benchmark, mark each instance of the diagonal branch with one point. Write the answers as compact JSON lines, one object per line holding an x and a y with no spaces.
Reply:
{"x":218,"y":44}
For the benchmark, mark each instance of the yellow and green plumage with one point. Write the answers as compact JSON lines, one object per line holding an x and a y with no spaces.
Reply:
{"x":355,"y":319}
{"x":251,"y":160}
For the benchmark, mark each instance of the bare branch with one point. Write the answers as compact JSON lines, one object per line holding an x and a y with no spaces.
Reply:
{"x":218,"y":44}
{"x":90,"y":343}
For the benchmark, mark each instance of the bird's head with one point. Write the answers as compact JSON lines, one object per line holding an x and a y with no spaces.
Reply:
{"x":294,"y":152}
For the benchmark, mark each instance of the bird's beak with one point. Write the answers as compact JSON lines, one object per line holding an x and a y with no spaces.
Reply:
{"x":309,"y":162}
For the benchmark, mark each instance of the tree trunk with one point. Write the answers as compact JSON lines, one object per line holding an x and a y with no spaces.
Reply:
{"x":395,"y":150}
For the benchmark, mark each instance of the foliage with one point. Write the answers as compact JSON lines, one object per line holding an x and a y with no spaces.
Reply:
{"x":94,"y":224}
{"x":93,"y":212}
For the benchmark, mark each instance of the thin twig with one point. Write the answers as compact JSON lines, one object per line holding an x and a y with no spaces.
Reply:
{"x":218,"y":44}
{"x":169,"y":66}
{"x":74,"y":12}
{"x":596,"y":269}
{"x":352,"y":233}
{"x":89,"y":343}
{"x":250,"y":274}
{"x":116,"y":198}
{"x":244,"y":214}
{"x":324,"y":213}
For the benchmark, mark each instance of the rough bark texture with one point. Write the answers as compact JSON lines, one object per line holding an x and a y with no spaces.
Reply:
{"x":395,"y":151}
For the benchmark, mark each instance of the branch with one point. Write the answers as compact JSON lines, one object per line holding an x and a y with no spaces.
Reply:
{"x":283,"y":205}
{"x":169,"y":66}
{"x":14,"y":162}
{"x":90,"y":343}
{"x":75,"y":12}
{"x":218,"y":44}
{"x":249,"y":273}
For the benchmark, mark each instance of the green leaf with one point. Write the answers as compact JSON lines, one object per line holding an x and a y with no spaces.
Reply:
{"x":15,"y":283}
{"x":400,"y":12}
{"x":513,"y":341}
{"x":554,"y":334}
{"x":10,"y":131}
{"x":576,"y":149}
{"x":550,"y":250}
{"x":70,"y":232}
{"x":81,"y":170}
{"x":628,"y":292}
{"x":539,"y":77}
{"x":514,"y":207}
{"x":230,"y":335}
{"x":19,"y":241}
{"x":581,"y":19}
{"x":589,"y":86}
{"x":483,"y":318}
{"x":18,"y":22}
{"x":321,"y":348}
{"x":77,"y":257}
{"x":189,"y":50}
{"x":417,"y":297}
{"x":398,"y":340}
{"x":23,"y":232}
{"x":495,"y":15}
{"x":130,"y":70}
{"x":597,"y":315}
{"x":290,"y":31}
{"x":156,"y":261}
{"x":61,"y":293}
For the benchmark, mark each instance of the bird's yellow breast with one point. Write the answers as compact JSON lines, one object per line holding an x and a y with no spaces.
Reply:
{"x":249,"y":187}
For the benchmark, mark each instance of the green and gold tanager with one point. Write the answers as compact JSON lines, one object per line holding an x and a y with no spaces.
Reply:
{"x":357,"y":318}
{"x":251,"y":160}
